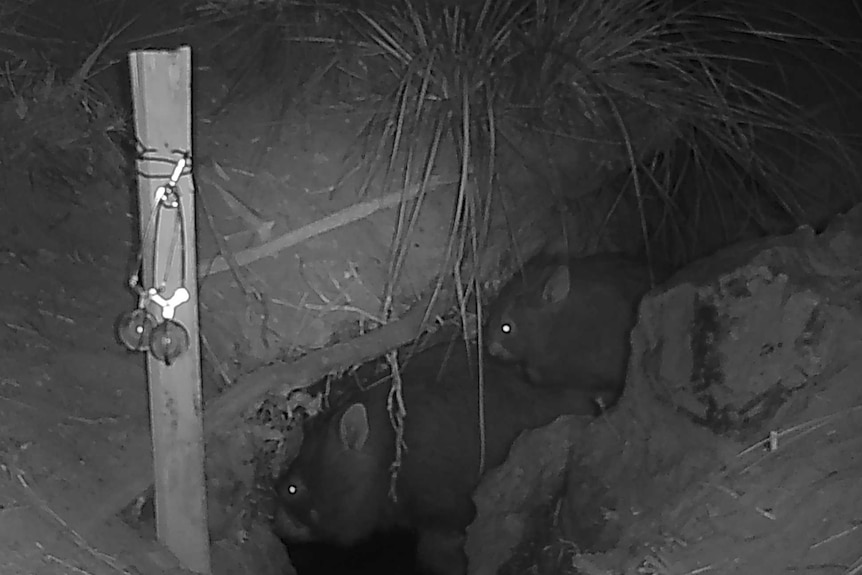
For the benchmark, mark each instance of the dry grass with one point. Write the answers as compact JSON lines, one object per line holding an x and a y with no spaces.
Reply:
{"x":57,"y":124}
{"x":85,"y":560}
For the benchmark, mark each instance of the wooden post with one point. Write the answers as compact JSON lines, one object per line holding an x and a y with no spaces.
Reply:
{"x":161,"y":95}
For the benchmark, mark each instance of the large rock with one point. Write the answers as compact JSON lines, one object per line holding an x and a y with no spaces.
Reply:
{"x":732,"y":338}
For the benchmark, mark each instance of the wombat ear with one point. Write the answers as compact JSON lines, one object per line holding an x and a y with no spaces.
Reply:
{"x":354,"y":427}
{"x":557,"y":286}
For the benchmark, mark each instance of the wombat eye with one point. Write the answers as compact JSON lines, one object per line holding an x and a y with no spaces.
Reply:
{"x":294,"y":489}
{"x":506,"y":328}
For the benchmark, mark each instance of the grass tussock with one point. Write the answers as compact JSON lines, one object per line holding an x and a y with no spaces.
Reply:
{"x":660,"y":101}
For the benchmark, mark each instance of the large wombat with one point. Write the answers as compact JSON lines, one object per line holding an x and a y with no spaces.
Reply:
{"x":337,"y":488}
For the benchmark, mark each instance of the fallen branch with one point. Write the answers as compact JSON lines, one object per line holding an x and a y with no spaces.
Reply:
{"x":341,"y":218}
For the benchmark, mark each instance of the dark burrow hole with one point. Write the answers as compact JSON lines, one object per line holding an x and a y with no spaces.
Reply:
{"x":386,"y":553}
